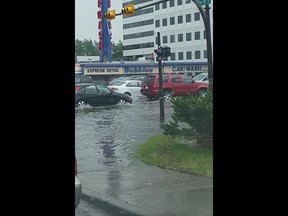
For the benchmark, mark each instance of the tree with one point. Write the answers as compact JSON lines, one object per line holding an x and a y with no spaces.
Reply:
{"x":117,"y":51}
{"x":79,"y":48}
{"x":89,"y":48}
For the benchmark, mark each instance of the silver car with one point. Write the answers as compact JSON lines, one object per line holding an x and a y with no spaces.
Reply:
{"x":78,"y":186}
{"x":202,"y":77}
{"x":129,"y":87}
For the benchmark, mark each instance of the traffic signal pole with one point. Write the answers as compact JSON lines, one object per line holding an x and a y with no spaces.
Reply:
{"x":161,"y":97}
{"x":206,"y":19}
{"x":152,"y":4}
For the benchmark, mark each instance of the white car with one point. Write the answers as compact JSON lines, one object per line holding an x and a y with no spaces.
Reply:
{"x":128,"y":87}
{"x":202,"y":77}
{"x":78,"y":186}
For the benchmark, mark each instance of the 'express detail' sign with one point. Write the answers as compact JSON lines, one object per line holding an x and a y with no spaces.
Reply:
{"x":103,"y":70}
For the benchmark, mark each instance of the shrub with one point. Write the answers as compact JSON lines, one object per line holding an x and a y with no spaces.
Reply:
{"x":192,"y":118}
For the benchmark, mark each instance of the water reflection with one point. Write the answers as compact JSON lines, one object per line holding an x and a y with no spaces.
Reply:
{"x":113,"y":174}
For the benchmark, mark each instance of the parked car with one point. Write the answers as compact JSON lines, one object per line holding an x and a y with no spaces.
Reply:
{"x":98,"y":95}
{"x":78,"y":186}
{"x":83,"y":79}
{"x":202,"y":77}
{"x":123,"y":78}
{"x":128,"y":87}
{"x":173,"y":85}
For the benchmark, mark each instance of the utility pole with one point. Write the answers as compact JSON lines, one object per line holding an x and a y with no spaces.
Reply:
{"x":161,"y":98}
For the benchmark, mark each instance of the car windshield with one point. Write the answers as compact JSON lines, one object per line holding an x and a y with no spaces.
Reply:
{"x":119,"y":83}
{"x":199,"y":77}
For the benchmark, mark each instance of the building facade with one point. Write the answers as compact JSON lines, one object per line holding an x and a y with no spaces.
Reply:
{"x":180,"y":25}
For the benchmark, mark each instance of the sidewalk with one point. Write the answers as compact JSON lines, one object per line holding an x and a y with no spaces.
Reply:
{"x":142,"y":190}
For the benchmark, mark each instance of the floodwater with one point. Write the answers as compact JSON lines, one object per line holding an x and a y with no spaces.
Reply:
{"x":106,"y":137}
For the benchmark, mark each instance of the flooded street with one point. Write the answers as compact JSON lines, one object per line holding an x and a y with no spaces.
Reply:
{"x":105,"y":138}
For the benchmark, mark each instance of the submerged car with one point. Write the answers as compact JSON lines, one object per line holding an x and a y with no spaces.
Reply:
{"x":98,"y":95}
{"x":78,"y":186}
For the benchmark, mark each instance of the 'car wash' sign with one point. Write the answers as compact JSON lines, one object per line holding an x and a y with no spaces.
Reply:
{"x":191,"y":68}
{"x":91,"y":71}
{"x":138,"y":70}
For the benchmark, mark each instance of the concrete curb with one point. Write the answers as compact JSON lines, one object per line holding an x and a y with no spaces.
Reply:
{"x":113,"y":205}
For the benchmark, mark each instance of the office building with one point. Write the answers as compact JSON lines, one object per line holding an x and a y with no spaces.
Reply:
{"x":180,"y":25}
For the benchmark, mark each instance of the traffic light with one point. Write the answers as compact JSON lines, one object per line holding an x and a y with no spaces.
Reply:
{"x":163,"y":52}
{"x":159,"y":52}
{"x":128,"y":10}
{"x":110,"y":15}
{"x":166,"y":51}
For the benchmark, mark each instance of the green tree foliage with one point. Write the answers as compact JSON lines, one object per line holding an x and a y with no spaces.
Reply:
{"x":117,"y":51}
{"x":79,"y":48}
{"x":89,"y":48}
{"x":192,"y":119}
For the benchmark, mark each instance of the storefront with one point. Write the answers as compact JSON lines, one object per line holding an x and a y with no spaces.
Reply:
{"x":107,"y":71}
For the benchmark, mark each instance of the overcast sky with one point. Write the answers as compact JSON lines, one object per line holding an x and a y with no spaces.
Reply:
{"x":86,"y":21}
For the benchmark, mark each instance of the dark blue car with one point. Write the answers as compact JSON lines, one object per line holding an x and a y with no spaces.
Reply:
{"x":98,"y":95}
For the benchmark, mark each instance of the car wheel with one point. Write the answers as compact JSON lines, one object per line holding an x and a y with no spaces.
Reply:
{"x":128,"y":94}
{"x":202,"y":92}
{"x":121,"y":101}
{"x":167,"y":95}
{"x":81,"y":104}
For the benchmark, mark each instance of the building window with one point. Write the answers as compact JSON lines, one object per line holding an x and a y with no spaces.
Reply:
{"x":196,"y":16}
{"x":172,"y":3}
{"x":180,"y":19}
{"x":189,"y":36}
{"x":179,"y":2}
{"x":138,"y":24}
{"x":180,"y":56}
{"x":204,"y":34}
{"x":157,"y":23}
{"x":172,"y":57}
{"x":164,"y":22}
{"x":165,"y":39}
{"x":138,"y":35}
{"x":164,"y":5}
{"x":189,"y":55}
{"x":172,"y":38}
{"x":205,"y":54}
{"x":180,"y":37}
{"x":188,"y":18}
{"x":197,"y":54}
{"x":188,"y":1}
{"x":197,"y":35}
{"x":172,"y":20}
{"x":157,"y":7}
